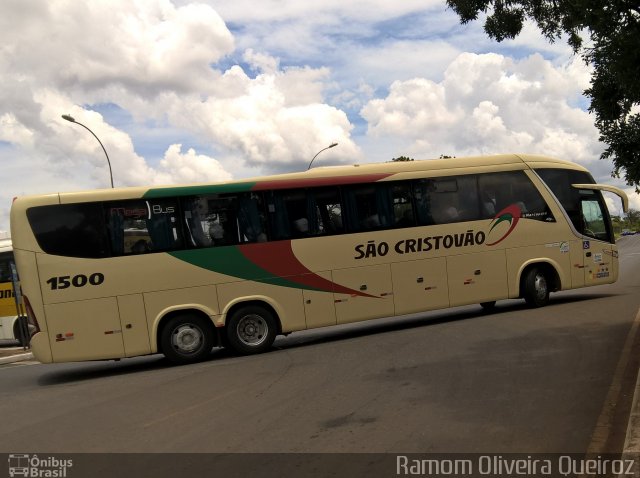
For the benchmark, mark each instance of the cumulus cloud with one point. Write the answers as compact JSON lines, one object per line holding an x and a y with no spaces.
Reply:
{"x":275,"y":119}
{"x":143,"y":46}
{"x":490,"y":103}
{"x":156,"y":61}
{"x":189,"y":167}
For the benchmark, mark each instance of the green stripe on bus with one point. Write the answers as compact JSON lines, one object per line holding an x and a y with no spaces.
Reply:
{"x":231,"y":262}
{"x":196,"y":190}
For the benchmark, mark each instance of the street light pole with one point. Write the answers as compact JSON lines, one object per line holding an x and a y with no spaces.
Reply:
{"x":328,"y":147}
{"x":71,"y":119}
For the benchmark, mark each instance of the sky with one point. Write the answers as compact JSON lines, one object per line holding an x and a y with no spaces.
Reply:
{"x":186,"y":92}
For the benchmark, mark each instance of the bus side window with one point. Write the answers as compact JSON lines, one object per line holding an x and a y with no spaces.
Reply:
{"x":288,"y":213}
{"x":219,"y":219}
{"x":301,"y":213}
{"x":488,"y":188}
{"x":403,"y":213}
{"x":139,"y":227}
{"x":251,"y":218}
{"x":422,"y":201}
{"x":369,"y":206}
{"x":443,"y":193}
{"x":512,"y":188}
{"x":329,"y":208}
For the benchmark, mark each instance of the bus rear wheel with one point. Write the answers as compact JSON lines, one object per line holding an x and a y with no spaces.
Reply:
{"x":535,"y":288}
{"x":186,"y":339}
{"x":251,"y":329}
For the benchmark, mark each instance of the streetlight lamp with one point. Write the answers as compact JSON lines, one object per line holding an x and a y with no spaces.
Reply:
{"x":71,"y":119}
{"x":328,"y":147}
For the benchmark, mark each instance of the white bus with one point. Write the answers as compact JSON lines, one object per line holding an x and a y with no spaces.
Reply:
{"x":13,"y":324}
{"x":179,"y":270}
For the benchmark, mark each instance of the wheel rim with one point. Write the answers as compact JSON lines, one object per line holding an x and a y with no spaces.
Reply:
{"x":252,"y":330}
{"x":540,"y":285}
{"x":187,"y":339}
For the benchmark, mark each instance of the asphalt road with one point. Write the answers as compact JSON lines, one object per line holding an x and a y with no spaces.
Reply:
{"x":557,"y":379}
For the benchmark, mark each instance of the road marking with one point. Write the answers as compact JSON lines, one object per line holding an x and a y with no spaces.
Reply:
{"x":604,"y":425}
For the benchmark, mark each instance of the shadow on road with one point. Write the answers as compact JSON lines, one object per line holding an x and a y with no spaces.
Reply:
{"x":109,"y":368}
{"x":431,"y":318}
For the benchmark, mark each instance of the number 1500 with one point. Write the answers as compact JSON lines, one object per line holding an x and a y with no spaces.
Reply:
{"x":80,"y":280}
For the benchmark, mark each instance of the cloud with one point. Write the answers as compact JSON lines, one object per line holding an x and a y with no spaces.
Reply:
{"x":274,"y":120}
{"x":155,"y":61}
{"x":489,"y":103}
{"x":143,"y":46}
{"x":189,"y":167}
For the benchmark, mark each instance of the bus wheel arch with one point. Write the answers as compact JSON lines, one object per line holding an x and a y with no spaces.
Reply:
{"x":186,"y":336}
{"x":251,"y":326}
{"x":537,"y":281}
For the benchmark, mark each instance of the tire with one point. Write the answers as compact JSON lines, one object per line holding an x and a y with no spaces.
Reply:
{"x":535,"y":288}
{"x":186,"y":339}
{"x":251,"y":329}
{"x":21,"y":331}
{"x":488,"y":306}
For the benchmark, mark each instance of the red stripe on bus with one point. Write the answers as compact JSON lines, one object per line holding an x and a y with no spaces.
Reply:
{"x":315,"y":182}
{"x":278,"y":259}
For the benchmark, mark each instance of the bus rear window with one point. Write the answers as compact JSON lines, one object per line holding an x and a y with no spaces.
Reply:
{"x":71,"y":230}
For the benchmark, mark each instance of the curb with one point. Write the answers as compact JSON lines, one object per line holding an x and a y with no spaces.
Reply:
{"x":632,"y":439}
{"x":16,"y":358}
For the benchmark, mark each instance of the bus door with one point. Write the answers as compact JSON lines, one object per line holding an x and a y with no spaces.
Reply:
{"x":600,"y":254}
{"x":596,"y":246}
{"x":599,"y":249}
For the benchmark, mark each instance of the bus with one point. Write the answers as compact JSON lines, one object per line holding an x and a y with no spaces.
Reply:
{"x":180,"y":270}
{"x":13,"y":324}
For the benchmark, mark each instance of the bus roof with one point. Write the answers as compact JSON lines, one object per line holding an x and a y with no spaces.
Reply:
{"x":320,"y":176}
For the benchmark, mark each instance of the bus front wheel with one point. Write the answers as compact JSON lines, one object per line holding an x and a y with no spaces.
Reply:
{"x":251,"y":329}
{"x":535,"y":288}
{"x":186,"y":339}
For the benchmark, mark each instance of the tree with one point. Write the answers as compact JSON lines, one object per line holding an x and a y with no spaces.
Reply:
{"x":613,"y":49}
{"x":402,"y":158}
{"x":633,"y":217}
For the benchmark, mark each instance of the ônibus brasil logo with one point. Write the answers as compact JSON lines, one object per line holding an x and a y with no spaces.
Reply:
{"x":510,"y":214}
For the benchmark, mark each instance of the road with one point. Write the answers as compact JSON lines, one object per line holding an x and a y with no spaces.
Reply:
{"x":557,"y":379}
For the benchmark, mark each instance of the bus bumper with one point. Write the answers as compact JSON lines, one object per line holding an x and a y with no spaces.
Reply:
{"x":41,"y":348}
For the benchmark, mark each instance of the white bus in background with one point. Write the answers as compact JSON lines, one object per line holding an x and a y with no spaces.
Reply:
{"x":11,"y":326}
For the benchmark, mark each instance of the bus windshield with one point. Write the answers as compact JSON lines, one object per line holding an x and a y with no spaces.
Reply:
{"x":585,"y":207}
